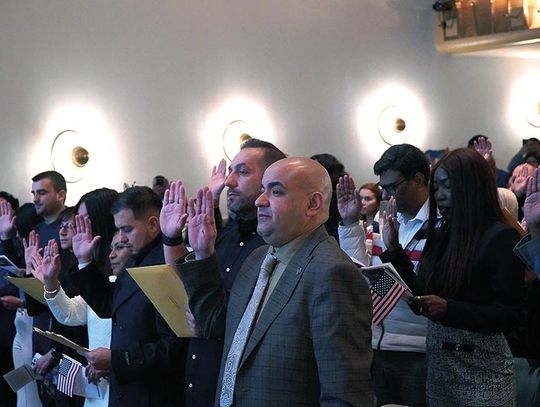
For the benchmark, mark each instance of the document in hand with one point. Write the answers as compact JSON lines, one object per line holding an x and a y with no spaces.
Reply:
{"x":387,"y":288}
{"x":62,"y":340}
{"x":7,"y":268}
{"x":20,"y":377}
{"x":165,"y":290}
{"x":31,"y":286}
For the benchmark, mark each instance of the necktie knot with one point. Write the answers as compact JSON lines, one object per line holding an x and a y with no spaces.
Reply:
{"x":268,"y":264}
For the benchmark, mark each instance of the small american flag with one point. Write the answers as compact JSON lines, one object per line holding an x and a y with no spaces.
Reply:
{"x":67,"y":373}
{"x":385,"y":294}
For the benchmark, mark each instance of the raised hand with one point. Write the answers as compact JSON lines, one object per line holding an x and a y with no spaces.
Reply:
{"x":83,"y":244}
{"x":47,"y":268}
{"x":531,"y":208}
{"x":483,"y":147}
{"x":31,"y":246}
{"x":173,"y":216}
{"x":390,"y":225}
{"x":7,"y":220}
{"x":348,"y":201}
{"x":519,"y":184}
{"x":201,"y":224}
{"x":217,"y":179}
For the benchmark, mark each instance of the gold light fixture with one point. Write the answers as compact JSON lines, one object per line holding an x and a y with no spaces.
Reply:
{"x":80,"y":156}
{"x":68,"y":156}
{"x":392,"y":126}
{"x":236,"y":133}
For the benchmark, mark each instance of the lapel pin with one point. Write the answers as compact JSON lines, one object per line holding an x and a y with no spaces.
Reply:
{"x":298,"y":270}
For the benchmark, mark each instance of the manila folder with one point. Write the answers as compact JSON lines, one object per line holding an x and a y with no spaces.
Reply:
{"x":31,"y":286}
{"x":165,"y":290}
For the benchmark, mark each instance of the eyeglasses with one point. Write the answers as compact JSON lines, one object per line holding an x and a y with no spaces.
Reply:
{"x":391,"y":188}
{"x":66,"y":225}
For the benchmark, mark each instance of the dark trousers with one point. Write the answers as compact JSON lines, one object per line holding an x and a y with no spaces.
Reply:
{"x":399,"y":377}
{"x":8,"y":397}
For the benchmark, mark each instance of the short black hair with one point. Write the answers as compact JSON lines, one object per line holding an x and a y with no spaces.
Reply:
{"x":160,"y":181}
{"x":11,"y":199}
{"x":333,"y":166}
{"x":26,"y":219}
{"x":57,"y":179}
{"x":140,"y":199}
{"x":405,"y":158}
{"x":271,"y":152}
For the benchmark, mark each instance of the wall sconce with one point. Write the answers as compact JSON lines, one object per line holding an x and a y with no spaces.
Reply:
{"x":392,"y":125}
{"x":68,"y":155}
{"x":533,"y":114}
{"x":237,"y":132}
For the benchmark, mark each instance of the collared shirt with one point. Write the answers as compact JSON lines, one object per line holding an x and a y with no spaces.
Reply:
{"x":235,"y":242}
{"x":283,"y":255}
{"x":409,"y":227}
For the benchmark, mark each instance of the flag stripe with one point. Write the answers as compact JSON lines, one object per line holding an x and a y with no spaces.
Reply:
{"x":386,"y":306}
{"x":67,"y":373}
{"x":385,"y":294}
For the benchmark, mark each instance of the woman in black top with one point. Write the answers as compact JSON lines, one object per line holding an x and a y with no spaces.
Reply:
{"x":469,"y":285}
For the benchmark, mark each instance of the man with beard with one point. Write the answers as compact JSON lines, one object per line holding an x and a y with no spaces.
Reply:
{"x":235,"y":241}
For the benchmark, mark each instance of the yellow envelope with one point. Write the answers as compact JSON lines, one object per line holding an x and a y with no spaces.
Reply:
{"x":31,"y":286}
{"x":165,"y":290}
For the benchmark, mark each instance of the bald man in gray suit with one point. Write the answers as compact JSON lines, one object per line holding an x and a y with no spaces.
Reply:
{"x":309,"y":342}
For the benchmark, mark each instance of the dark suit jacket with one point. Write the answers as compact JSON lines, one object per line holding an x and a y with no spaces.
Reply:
{"x":147,"y":357}
{"x":312,"y":342}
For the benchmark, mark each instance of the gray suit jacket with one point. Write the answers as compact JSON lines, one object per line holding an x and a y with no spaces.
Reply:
{"x":312,"y":342}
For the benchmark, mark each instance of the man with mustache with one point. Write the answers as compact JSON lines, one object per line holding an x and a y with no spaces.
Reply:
{"x":235,"y":241}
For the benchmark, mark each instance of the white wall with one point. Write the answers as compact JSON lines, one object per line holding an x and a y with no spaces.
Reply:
{"x":149,"y":75}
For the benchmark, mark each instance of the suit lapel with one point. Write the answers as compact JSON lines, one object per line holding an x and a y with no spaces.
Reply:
{"x":284,"y":289}
{"x":124,"y":288}
{"x":241,"y":293}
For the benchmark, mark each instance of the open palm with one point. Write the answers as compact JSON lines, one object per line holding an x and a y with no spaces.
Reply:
{"x":7,"y":220}
{"x":83,"y":244}
{"x":47,"y":268}
{"x":531,"y":208}
{"x":201,"y":224}
{"x":173,"y":216}
{"x":348,"y":200}
{"x":31,"y":246}
{"x":217,"y":179}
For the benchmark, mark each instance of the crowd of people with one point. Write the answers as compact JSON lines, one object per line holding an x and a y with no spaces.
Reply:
{"x":279,"y":309}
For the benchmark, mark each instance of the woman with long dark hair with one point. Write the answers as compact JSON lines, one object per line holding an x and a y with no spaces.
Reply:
{"x":74,"y":311}
{"x":469,"y":285}
{"x":96,"y":205}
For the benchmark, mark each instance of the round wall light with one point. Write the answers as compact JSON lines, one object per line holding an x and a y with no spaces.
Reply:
{"x":68,"y":155}
{"x":236,"y":133}
{"x":392,"y":125}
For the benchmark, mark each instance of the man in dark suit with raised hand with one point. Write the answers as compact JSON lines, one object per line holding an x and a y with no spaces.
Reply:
{"x":146,"y":359}
{"x":296,"y":328}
